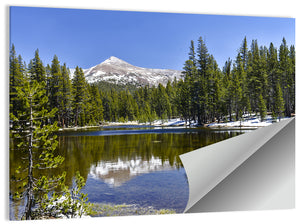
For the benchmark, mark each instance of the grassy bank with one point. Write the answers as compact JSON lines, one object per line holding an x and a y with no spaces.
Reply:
{"x":101,"y":210}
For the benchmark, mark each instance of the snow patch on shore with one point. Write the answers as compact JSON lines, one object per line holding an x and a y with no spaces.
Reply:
{"x":253,"y":122}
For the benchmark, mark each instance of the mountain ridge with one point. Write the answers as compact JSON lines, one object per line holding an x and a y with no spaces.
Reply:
{"x":118,"y":71}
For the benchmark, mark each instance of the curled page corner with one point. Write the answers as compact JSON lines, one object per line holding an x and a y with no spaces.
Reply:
{"x":256,"y":187}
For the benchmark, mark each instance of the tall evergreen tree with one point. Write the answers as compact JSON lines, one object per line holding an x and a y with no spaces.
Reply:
{"x":162,"y":103}
{"x":292,"y":59}
{"x":273,"y":76}
{"x":212,"y":73}
{"x":244,"y":53}
{"x":278,"y":102}
{"x":236,"y":89}
{"x":286,"y":76}
{"x":107,"y":106}
{"x":97,"y":107}
{"x":191,"y":86}
{"x":79,"y":95}
{"x":56,"y":90}
{"x":228,"y":92}
{"x":254,"y":76}
{"x":115,"y":105}
{"x":38,"y":141}
{"x":66,"y":96}
{"x":241,"y":73}
{"x":201,"y":89}
{"x":170,"y":90}
{"x":262,"y":107}
{"x":16,"y":79}
{"x":36,"y":69}
{"x":183,"y":96}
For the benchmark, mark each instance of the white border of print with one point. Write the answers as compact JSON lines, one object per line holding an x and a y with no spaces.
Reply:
{"x":274,"y":8}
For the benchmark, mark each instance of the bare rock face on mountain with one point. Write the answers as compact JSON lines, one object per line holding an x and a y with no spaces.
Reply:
{"x":117,"y":71}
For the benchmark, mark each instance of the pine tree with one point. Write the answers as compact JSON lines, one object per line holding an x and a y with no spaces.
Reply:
{"x":37,"y":72}
{"x":114,"y":105}
{"x":148,"y":113}
{"x":38,"y":140}
{"x":126,"y":106}
{"x":107,"y":103}
{"x":278,"y":102}
{"x":16,"y":79}
{"x":56,"y":90}
{"x":244,"y":53}
{"x":191,"y":85}
{"x":162,"y":104}
{"x":263,"y":70}
{"x":22,"y":65}
{"x":236,"y":91}
{"x":66,"y":97}
{"x":97,"y":107}
{"x":183,"y":100}
{"x":262,"y":107}
{"x":170,"y":90}
{"x":79,"y":96}
{"x":255,"y":85}
{"x":273,"y":76}
{"x":86,"y":116}
{"x":287,"y":83}
{"x":292,"y":57}
{"x":36,"y":69}
{"x":228,"y":92}
{"x":213,"y":89}
{"x":201,"y":89}
{"x":241,"y":73}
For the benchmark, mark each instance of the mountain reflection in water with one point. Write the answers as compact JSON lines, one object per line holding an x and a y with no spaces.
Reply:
{"x":131,"y":166}
{"x":116,"y":173}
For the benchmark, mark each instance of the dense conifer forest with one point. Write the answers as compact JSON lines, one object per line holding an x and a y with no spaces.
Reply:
{"x":259,"y":81}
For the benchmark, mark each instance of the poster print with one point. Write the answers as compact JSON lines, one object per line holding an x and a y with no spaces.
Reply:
{"x":103,"y":103}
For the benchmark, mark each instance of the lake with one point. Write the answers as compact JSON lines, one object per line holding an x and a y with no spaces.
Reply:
{"x":128,"y":165}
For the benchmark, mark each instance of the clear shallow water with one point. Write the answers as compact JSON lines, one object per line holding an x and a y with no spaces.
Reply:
{"x":128,"y":165}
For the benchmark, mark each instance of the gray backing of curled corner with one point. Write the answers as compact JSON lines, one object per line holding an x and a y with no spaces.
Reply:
{"x":253,"y":171}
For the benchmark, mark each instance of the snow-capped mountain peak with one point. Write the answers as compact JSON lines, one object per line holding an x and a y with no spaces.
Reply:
{"x":117,"y":71}
{"x":114,"y":61}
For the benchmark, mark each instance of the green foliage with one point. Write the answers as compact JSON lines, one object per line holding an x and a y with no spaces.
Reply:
{"x":73,"y":203}
{"x":96,"y":105}
{"x":35,"y":138}
{"x":279,"y":102}
{"x":184,"y":100}
{"x":66,"y":98}
{"x":32,"y":127}
{"x":80,"y":97}
{"x":205,"y":94}
{"x":107,"y":86}
{"x":262,"y":107}
{"x":36,"y":69}
{"x":16,"y":77}
{"x":247,"y":85}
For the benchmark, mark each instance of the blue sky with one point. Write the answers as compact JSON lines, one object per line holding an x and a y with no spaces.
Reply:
{"x":152,"y":40}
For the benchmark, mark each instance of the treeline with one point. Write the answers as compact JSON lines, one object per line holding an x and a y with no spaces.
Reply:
{"x":80,"y":103}
{"x":259,"y":80}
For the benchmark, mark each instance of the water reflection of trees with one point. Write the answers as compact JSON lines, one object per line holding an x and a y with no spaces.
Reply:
{"x":81,"y":152}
